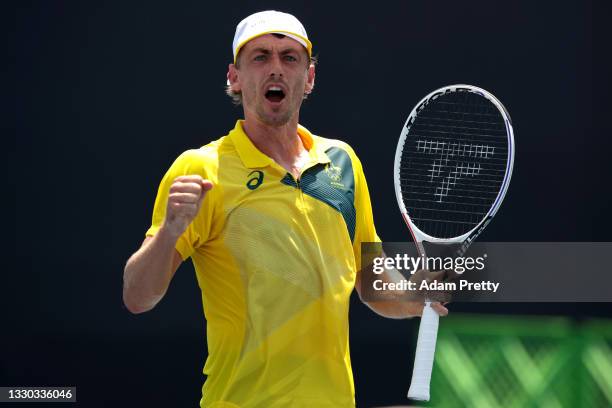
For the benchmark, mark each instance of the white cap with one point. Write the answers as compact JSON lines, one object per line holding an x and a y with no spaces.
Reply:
{"x":270,"y":22}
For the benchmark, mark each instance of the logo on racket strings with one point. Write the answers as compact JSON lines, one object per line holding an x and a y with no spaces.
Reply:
{"x":453,"y":162}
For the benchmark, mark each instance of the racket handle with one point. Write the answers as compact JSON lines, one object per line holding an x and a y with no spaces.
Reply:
{"x":424,"y":357}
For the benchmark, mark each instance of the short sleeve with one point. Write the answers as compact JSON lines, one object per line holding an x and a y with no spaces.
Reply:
{"x":197,"y":234}
{"x":365,"y":231}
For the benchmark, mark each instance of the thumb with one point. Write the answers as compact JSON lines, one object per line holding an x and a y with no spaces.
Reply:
{"x":439,"y":276}
{"x":206,"y":186}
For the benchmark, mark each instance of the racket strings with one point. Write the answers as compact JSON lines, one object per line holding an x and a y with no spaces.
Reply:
{"x":453,"y":163}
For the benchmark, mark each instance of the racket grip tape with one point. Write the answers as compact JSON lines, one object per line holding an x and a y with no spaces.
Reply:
{"x":424,"y":356}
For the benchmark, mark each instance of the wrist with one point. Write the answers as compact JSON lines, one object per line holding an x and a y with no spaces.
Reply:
{"x":169,"y":233}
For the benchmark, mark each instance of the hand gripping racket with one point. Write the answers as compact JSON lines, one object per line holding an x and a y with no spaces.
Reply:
{"x":452,"y":168}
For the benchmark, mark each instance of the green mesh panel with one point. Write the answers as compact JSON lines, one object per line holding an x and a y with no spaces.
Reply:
{"x":485,"y":361}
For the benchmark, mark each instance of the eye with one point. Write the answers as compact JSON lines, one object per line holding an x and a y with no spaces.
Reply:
{"x":290,"y":58}
{"x":260,"y":57}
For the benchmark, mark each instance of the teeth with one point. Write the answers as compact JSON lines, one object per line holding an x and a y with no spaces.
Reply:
{"x":274,"y":88}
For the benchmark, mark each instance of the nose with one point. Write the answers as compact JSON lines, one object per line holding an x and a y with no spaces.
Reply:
{"x":276,"y":67}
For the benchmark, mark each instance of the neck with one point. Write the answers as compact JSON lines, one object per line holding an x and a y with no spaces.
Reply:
{"x":281,"y":143}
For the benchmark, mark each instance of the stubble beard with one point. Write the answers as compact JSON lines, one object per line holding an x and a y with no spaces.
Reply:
{"x":273,"y":120}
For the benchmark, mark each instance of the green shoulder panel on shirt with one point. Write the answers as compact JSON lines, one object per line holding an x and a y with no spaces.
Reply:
{"x":332,"y":183}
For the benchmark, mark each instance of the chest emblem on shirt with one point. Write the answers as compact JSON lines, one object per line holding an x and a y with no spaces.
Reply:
{"x":255,"y":180}
{"x":333,"y":172}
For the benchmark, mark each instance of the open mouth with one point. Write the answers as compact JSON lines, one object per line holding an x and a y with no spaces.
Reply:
{"x":275,"y":94}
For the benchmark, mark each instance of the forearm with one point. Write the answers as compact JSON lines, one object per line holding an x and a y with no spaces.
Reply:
{"x":148,"y":272}
{"x":399,"y":304}
{"x":402,"y":303}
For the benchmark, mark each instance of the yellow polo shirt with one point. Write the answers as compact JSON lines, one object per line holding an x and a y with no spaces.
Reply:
{"x":276,"y":260}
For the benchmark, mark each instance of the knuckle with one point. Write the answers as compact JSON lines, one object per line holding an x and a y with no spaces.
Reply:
{"x":176,"y":186}
{"x":195,"y":187}
{"x":174,"y":197}
{"x":188,"y":187}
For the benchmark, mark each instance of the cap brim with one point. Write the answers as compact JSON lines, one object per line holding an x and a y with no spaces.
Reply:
{"x":305,"y":42}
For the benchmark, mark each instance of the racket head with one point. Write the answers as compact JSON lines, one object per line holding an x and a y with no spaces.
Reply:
{"x":453,"y":163}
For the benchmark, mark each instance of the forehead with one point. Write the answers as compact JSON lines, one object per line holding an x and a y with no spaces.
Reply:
{"x":273,"y":43}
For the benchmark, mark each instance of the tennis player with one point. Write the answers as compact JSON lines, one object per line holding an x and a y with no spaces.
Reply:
{"x":272,"y":217}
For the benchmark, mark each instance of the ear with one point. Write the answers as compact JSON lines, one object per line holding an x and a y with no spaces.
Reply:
{"x":232,"y":78}
{"x":310,"y":81}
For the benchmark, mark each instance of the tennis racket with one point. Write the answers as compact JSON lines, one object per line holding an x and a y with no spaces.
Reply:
{"x":453,"y":165}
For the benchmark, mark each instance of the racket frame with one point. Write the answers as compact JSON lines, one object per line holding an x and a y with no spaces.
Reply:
{"x":419,"y":388}
{"x":467,"y":238}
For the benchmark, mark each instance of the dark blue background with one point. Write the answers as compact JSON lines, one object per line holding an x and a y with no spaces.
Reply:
{"x":109,"y":93}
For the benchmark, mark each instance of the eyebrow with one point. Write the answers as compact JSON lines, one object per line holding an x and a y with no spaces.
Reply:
{"x":267,"y":51}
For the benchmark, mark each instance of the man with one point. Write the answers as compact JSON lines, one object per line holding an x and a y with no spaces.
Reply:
{"x":273,"y":218}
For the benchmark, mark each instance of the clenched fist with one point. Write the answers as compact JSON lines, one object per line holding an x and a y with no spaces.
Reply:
{"x":184,"y":201}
